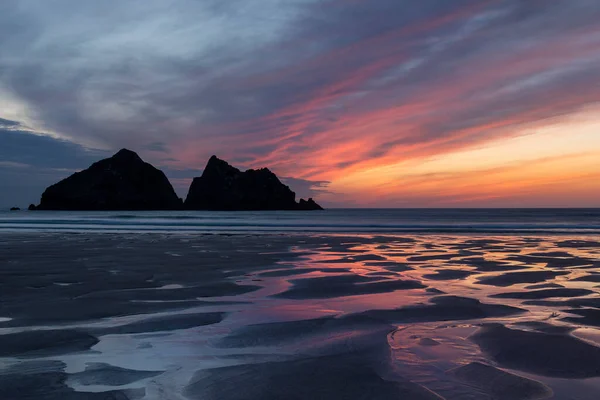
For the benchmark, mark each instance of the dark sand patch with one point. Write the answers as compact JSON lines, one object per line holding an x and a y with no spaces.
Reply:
{"x":578,"y":244}
{"x":552,"y":262}
{"x":272,"y":333}
{"x":443,"y":308}
{"x":288,"y":272}
{"x":47,"y":380}
{"x":553,"y":355}
{"x":285,"y":255}
{"x":434,"y":257}
{"x":581,"y":302}
{"x":348,"y":376}
{"x":342,"y":260}
{"x":59,"y":304}
{"x":587,"y":316}
{"x":58,"y":311}
{"x":588,"y":278}
{"x":544,"y":294}
{"x":164,"y":323}
{"x":483,"y":265}
{"x":389,"y":265}
{"x":398,"y":268}
{"x":105,"y":374}
{"x":448,"y":274}
{"x":515,"y":278}
{"x":215,"y":289}
{"x":366,"y":257}
{"x":560,"y":254}
{"x":573,"y":262}
{"x":334,"y":270}
{"x":151,"y":335}
{"x":277,"y":333}
{"x":500,"y":385}
{"x":399,"y":253}
{"x":43,"y":343}
{"x":344,"y":285}
{"x":481,"y":242}
{"x":544,"y":286}
{"x":115,"y":274}
{"x":355,"y":258}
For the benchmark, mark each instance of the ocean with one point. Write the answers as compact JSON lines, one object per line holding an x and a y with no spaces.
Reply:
{"x":464,"y":221}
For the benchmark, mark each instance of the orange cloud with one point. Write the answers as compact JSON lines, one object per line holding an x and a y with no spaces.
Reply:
{"x":350,"y":125}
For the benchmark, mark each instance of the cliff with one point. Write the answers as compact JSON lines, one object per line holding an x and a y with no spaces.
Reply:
{"x":223,"y":187}
{"x":121,"y":182}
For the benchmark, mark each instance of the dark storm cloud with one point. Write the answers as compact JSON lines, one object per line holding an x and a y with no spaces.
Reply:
{"x":8,"y":124}
{"x":30,"y":162}
{"x":279,"y":84}
{"x":41,"y":151}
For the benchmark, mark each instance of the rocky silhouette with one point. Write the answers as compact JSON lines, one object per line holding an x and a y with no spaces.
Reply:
{"x":309,"y":204}
{"x":223,"y":187}
{"x":121,"y":182}
{"x":15,"y":209}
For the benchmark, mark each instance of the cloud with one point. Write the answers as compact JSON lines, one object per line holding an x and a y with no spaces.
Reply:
{"x":30,"y":162}
{"x":43,"y":152}
{"x":159,"y":147}
{"x":8,"y":124}
{"x":313,"y":89}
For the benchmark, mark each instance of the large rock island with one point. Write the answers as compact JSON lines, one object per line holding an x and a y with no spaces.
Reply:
{"x":226,"y":188}
{"x":121,"y":182}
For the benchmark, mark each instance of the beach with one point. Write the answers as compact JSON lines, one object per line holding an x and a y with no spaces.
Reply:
{"x":303,"y":316}
{"x":299,"y":200}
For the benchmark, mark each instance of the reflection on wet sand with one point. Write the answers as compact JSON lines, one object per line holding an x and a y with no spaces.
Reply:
{"x":323,"y":316}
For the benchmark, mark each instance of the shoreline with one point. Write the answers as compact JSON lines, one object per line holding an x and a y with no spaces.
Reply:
{"x":586,"y":237}
{"x":373,"y":221}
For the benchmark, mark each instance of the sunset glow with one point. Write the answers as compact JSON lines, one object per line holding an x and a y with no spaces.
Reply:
{"x":358,"y":104}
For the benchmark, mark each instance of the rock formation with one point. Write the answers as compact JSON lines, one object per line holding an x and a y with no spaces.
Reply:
{"x":15,"y":209}
{"x":121,"y":182}
{"x":223,"y":187}
{"x":309,"y":204}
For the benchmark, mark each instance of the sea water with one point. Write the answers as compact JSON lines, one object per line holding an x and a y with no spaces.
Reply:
{"x":535,"y":221}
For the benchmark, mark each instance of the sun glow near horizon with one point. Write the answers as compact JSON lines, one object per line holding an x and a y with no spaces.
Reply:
{"x":553,"y":165}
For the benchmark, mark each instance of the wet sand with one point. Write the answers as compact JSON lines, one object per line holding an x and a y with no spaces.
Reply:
{"x":159,"y":316}
{"x":500,"y":384}
{"x":554,"y":355}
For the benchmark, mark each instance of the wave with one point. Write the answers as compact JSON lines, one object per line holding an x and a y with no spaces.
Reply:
{"x":334,"y":221}
{"x":103,"y":226}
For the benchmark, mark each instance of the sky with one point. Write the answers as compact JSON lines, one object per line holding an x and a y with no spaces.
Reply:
{"x":358,"y":103}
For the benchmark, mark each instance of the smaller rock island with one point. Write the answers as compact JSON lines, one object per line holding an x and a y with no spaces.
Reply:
{"x":226,"y":188}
